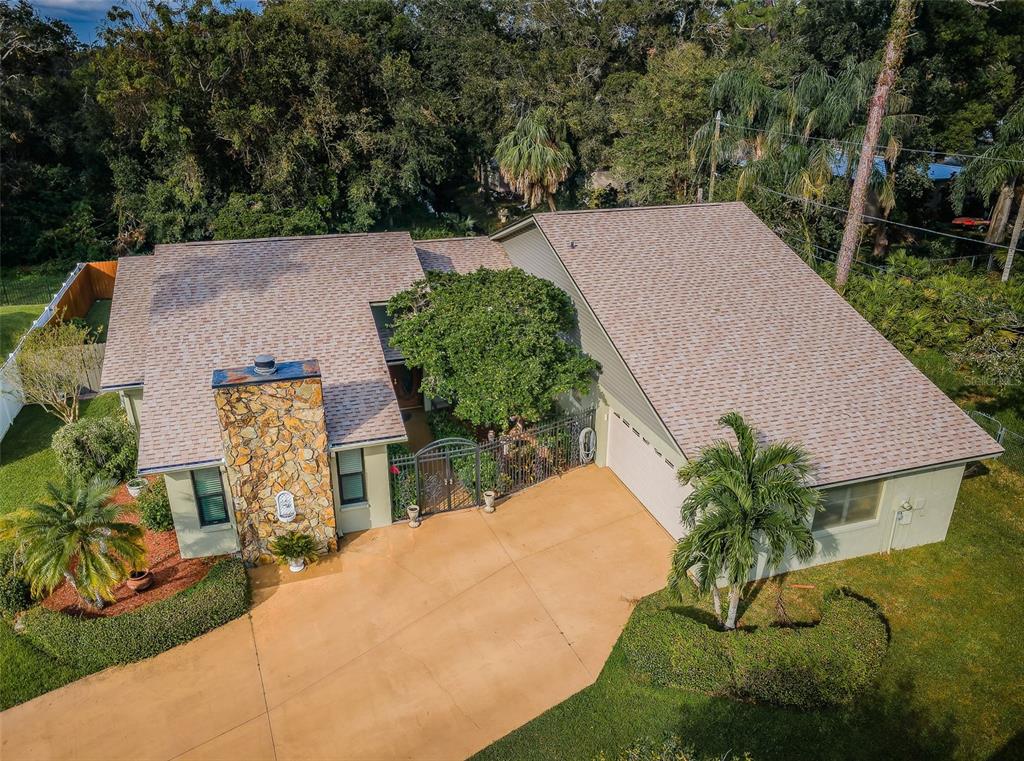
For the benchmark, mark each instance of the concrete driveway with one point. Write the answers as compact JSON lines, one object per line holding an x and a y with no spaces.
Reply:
{"x":427,"y":643}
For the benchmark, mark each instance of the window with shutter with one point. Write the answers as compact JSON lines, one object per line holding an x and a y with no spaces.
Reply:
{"x":350,"y":475}
{"x":209,"y":492}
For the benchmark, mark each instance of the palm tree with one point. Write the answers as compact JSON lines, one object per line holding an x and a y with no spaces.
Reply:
{"x":746,"y":499}
{"x":996,"y":170}
{"x":77,"y":536}
{"x":533,"y":160}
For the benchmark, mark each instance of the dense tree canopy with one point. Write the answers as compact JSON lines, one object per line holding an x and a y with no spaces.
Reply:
{"x":495,"y":343}
{"x":201,"y":119}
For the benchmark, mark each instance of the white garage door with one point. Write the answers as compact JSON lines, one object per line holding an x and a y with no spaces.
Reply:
{"x":646,"y":473}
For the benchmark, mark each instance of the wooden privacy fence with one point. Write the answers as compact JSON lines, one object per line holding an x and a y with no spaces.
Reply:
{"x":95,"y":281}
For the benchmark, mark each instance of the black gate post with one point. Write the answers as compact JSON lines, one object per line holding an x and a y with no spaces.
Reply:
{"x":478,"y":474}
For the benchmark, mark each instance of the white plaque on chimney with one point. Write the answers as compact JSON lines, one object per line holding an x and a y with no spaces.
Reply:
{"x":285,"y":506}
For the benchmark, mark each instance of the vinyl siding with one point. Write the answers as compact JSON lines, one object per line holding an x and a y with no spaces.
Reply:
{"x":530,"y":251}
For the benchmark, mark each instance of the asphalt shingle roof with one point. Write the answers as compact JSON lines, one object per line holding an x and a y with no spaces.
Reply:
{"x":128,"y":333}
{"x":712,"y":312}
{"x":218,"y":304}
{"x":462,"y":255}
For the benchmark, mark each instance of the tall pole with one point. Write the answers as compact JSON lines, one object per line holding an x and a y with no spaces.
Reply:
{"x":714,"y":155}
{"x":1014,"y":237}
{"x":895,"y":44}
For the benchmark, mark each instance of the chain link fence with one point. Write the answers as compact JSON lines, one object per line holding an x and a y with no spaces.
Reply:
{"x":1011,"y":441}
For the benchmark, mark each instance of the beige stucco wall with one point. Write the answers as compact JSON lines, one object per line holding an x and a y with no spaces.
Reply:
{"x":932,"y":493}
{"x":196,"y":541}
{"x":131,"y":401}
{"x":376,"y":511}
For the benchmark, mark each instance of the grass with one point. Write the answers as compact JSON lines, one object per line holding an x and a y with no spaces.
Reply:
{"x":98,"y":318}
{"x":26,"y":464}
{"x":14,"y":321}
{"x":28,"y":671}
{"x":26,"y":460}
{"x":950,"y":685}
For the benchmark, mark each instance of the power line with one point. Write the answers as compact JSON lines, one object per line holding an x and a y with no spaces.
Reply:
{"x":848,"y":142}
{"x":882,"y":220}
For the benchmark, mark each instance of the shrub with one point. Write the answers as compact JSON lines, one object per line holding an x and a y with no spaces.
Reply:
{"x":14,"y":594}
{"x":295,"y":545}
{"x":91,"y":644}
{"x":105,"y":446}
{"x":154,"y":507}
{"x":806,"y":667}
{"x":444,"y":425}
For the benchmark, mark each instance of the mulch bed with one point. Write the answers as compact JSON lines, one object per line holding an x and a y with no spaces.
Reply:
{"x":171,"y":573}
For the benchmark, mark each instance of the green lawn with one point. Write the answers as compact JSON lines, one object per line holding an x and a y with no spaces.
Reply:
{"x":14,"y":321}
{"x":28,"y":671}
{"x":98,"y":319}
{"x":26,"y":461}
{"x":950,"y":687}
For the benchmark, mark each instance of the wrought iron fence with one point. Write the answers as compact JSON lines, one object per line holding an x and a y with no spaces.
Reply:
{"x":454,"y":473}
{"x":1011,"y":441}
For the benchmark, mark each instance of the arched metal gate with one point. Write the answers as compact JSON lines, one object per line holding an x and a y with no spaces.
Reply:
{"x":453,"y":473}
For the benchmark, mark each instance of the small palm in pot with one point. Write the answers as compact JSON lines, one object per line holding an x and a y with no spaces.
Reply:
{"x":295,"y":548}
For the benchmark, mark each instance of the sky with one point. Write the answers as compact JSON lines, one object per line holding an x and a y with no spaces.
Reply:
{"x":84,"y":16}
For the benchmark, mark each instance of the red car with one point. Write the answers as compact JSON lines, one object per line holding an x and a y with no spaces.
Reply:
{"x":972,"y":223}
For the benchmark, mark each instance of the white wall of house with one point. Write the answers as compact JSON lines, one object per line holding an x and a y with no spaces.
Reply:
{"x":194,"y":540}
{"x":131,"y":402}
{"x":932,"y":494}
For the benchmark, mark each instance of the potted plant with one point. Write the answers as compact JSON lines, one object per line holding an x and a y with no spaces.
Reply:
{"x":139,"y":580}
{"x":295,"y":548}
{"x":414,"y":515}
{"x":489,"y":496}
{"x":136,"y":485}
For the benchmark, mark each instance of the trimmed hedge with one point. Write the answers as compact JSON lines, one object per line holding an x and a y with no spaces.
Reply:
{"x":91,"y":644}
{"x":807,"y":667}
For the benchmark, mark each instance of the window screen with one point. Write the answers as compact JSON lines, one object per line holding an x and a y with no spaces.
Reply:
{"x":849,"y":504}
{"x":209,"y":491}
{"x":350,"y":474}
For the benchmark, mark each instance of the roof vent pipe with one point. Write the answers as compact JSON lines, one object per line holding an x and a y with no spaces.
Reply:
{"x":264,"y":364}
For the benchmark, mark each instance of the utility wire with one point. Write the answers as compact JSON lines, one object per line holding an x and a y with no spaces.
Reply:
{"x":883,"y":221}
{"x":876,"y":146}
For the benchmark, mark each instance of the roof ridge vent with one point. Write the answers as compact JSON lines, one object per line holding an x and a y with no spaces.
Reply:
{"x":264,"y":364}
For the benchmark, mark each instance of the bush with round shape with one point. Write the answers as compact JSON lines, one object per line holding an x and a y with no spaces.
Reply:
{"x":91,"y":644}
{"x":104,"y":446}
{"x":805,"y":667}
{"x":154,"y":507}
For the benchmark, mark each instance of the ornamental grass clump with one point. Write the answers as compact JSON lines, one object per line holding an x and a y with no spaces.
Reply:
{"x":294,"y":546}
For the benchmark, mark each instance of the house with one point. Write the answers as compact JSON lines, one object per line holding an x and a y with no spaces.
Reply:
{"x":692,"y":311}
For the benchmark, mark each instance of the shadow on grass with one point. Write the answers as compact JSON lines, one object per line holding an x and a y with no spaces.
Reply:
{"x":1014,"y":749}
{"x":889,"y":723}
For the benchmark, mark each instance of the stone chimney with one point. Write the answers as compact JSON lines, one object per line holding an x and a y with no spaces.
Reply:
{"x":275,"y":449}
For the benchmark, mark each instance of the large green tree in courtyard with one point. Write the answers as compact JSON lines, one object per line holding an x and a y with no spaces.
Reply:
{"x":494,"y":342}
{"x":746,"y":499}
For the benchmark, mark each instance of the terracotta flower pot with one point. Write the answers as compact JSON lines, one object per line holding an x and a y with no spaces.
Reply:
{"x":139,"y":580}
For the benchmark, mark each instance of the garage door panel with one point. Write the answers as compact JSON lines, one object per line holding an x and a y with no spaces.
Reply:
{"x":647,"y":474}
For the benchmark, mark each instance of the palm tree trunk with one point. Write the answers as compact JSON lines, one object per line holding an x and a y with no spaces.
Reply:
{"x":1000,"y":217}
{"x":734,"y":604}
{"x":1014,"y":238}
{"x":716,"y":599}
{"x":551,"y":201}
{"x":895,"y":44}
